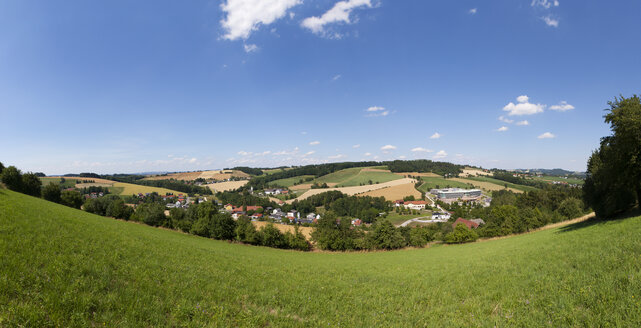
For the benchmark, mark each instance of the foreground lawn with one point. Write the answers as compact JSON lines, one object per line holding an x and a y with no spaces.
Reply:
{"x":63,"y":267}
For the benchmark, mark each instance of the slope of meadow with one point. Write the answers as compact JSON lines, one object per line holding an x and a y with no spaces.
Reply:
{"x":64,"y":267}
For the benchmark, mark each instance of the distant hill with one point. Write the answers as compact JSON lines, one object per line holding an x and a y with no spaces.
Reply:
{"x":552,"y":172}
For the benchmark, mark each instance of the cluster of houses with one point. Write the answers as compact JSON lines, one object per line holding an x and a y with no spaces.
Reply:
{"x":276,"y":214}
{"x":411,"y":204}
{"x":276,"y":191}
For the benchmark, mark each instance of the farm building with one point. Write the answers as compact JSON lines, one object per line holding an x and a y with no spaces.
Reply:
{"x":415,"y":204}
{"x":468,"y":223}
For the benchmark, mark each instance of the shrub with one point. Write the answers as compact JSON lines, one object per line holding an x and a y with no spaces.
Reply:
{"x":461,"y":234}
{"x":31,"y":185}
{"x":386,"y":236}
{"x":272,"y":237}
{"x":12,"y":178}
{"x":152,"y":214}
{"x":71,"y":198}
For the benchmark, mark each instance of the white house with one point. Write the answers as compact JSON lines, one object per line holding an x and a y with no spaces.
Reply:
{"x":415,"y":205}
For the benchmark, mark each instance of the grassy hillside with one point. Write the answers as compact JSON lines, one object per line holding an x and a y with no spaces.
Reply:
{"x":116,"y":188}
{"x":364,"y":177}
{"x":288,"y":182}
{"x":63,"y":267}
{"x":549,"y":178}
{"x":339,"y":176}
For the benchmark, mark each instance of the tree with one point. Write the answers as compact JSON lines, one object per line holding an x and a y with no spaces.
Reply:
{"x":570,"y":208}
{"x":71,"y":198}
{"x":461,"y":234}
{"x":12,"y":178}
{"x":223,"y":227}
{"x":386,"y":236}
{"x":117,"y":209}
{"x":246,"y":232}
{"x":613,"y":183}
{"x":272,"y":237}
{"x":152,"y":214}
{"x":297,"y":240}
{"x":51,"y":192}
{"x":1,"y":167}
{"x":31,"y":185}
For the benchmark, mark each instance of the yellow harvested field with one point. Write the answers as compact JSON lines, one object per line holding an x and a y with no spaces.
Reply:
{"x":488,"y":186}
{"x":417,"y":174}
{"x":301,"y":186}
{"x":306,"y":231}
{"x":472,"y":172}
{"x":227,"y":185}
{"x":207,"y":175}
{"x":356,"y":189}
{"x":131,"y":189}
{"x":395,"y":192}
{"x":87,"y":185}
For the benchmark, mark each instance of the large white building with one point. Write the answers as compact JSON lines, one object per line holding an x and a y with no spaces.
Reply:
{"x":456,"y":193}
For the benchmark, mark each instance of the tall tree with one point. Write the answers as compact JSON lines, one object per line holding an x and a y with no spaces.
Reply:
{"x":51,"y":192}
{"x":613,"y":184}
{"x":31,"y":184}
{"x":12,"y":178}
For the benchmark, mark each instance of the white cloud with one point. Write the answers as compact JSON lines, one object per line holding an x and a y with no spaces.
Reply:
{"x":314,"y":143}
{"x":193,"y":160}
{"x":505,"y":119}
{"x":440,"y":154}
{"x":562,"y":106}
{"x":546,"y":135}
{"x":388,"y":147}
{"x":522,"y":123}
{"x":336,"y":156}
{"x":244,"y":153}
{"x":368,"y":154}
{"x":549,"y":21}
{"x":421,"y":150}
{"x":502,"y":129}
{"x":377,"y":111}
{"x":250,"y":48}
{"x":402,"y":157}
{"x":336,"y":77}
{"x":472,"y":11}
{"x":436,"y":135}
{"x":356,"y":146}
{"x":523,"y":107}
{"x":545,"y":3}
{"x":339,"y":13}
{"x":242,"y":17}
{"x":311,"y":152}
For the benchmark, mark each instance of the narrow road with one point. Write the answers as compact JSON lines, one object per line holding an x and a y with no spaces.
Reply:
{"x":422,"y":219}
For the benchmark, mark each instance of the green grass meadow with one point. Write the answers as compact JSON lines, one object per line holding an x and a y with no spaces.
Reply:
{"x":433,"y":182}
{"x":363,"y":178}
{"x":553,"y":178}
{"x":64,"y":267}
{"x":288,"y":182}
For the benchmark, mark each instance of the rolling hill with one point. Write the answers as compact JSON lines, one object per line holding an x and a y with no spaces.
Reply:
{"x":64,"y":267}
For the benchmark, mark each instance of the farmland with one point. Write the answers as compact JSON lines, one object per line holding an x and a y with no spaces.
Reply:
{"x":395,"y":192}
{"x":356,"y":189}
{"x":116,"y":188}
{"x":226,"y":186}
{"x":366,"y":176}
{"x":288,"y":182}
{"x":82,"y":270}
{"x":559,"y":179}
{"x":486,"y":185}
{"x":207,"y":175}
{"x":503,"y":183}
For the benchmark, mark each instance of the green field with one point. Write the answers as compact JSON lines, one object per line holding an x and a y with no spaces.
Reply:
{"x":339,"y":176}
{"x":288,"y":182}
{"x":64,"y":267}
{"x":503,"y":183}
{"x":363,"y":178}
{"x":69,"y":183}
{"x":554,"y":178}
{"x":434,"y":182}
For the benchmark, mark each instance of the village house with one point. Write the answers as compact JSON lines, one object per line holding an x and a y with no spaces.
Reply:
{"x":415,"y":204}
{"x":468,"y":223}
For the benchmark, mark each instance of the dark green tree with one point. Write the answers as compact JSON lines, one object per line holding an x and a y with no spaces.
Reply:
{"x":1,"y":167}
{"x":461,"y":234}
{"x":31,"y":184}
{"x":117,"y":209}
{"x":152,"y":214}
{"x":51,"y":192}
{"x":12,"y":178}
{"x":246,"y":232}
{"x":71,"y":198}
{"x":272,"y":237}
{"x":386,"y":236}
{"x":613,"y":183}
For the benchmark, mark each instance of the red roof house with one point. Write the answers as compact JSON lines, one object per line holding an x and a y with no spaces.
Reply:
{"x":468,"y":223}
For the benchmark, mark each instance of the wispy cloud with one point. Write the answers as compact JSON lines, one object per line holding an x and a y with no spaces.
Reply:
{"x":502,"y":129}
{"x":356,"y":146}
{"x":562,"y":106}
{"x":250,"y":48}
{"x":388,"y":148}
{"x":314,"y":143}
{"x":436,"y":135}
{"x":340,"y":13}
{"x":545,"y":3}
{"x":421,"y":150}
{"x":377,"y":111}
{"x":546,"y":135}
{"x":440,"y":154}
{"x":549,"y":21}
{"x":505,"y":120}
{"x":336,"y":77}
{"x":472,"y":11}
{"x":242,"y":17}
{"x":522,"y":123}
{"x":336,"y":156}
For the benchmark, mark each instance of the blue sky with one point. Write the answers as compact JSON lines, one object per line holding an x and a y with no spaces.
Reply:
{"x":122,"y":86}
